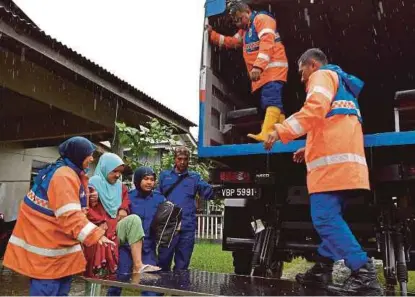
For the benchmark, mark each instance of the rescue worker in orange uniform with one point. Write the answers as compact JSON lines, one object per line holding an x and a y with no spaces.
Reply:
{"x":264,"y":56}
{"x":336,"y":169}
{"x":45,"y":244}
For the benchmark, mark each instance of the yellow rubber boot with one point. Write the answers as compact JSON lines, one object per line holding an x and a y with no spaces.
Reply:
{"x":272,"y":116}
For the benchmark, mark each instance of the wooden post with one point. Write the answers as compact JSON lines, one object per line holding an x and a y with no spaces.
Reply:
{"x":117,"y":147}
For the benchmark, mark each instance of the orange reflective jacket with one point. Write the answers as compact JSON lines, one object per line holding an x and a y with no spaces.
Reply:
{"x":46,"y":240}
{"x":334,"y":155}
{"x":262,"y":48}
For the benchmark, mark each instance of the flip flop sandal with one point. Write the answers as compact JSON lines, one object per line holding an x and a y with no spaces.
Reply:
{"x":149,"y":268}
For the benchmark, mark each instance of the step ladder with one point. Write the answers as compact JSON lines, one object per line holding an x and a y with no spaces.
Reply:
{"x":238,"y":123}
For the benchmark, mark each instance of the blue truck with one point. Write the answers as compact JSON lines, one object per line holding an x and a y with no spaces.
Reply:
{"x":266,"y":190}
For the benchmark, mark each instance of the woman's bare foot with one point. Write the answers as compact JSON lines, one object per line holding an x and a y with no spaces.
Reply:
{"x":137,"y":267}
{"x":145,"y":268}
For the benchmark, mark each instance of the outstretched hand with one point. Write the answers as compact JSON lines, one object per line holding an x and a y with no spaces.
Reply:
{"x":270,"y":139}
{"x":104,"y":241}
{"x":209,"y":29}
{"x":298,"y":156}
{"x":93,"y":197}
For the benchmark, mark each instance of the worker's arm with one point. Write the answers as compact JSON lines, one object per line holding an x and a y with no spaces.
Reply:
{"x":63,"y":194}
{"x":159,"y":187}
{"x":321,"y":89}
{"x":265,"y":26}
{"x":204,"y":189}
{"x":227,"y":41}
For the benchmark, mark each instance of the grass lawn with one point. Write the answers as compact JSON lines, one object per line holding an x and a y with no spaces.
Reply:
{"x":210,"y":257}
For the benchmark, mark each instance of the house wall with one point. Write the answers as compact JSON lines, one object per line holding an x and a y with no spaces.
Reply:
{"x":15,"y":173}
{"x":152,"y":160}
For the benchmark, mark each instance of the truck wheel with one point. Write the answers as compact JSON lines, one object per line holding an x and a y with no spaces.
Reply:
{"x":276,"y":269}
{"x":242,"y":262}
{"x":411,"y":265}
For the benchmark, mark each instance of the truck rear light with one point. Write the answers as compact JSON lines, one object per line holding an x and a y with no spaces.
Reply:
{"x":235,"y":176}
{"x":411,"y":171}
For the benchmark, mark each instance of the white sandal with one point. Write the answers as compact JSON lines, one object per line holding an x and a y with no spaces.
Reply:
{"x":149,"y":268}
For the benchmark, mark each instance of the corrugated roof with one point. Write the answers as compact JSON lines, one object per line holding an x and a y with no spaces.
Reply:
{"x":40,"y":35}
{"x":13,"y":7}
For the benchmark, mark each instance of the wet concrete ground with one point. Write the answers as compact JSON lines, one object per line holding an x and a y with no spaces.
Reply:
{"x":12,"y":284}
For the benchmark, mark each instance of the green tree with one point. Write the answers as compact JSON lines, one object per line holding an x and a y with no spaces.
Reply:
{"x":140,"y":145}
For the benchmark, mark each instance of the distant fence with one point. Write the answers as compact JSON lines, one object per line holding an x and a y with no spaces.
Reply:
{"x":209,"y":226}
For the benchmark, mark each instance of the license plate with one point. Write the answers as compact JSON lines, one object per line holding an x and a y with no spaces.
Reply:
{"x":239,"y":192}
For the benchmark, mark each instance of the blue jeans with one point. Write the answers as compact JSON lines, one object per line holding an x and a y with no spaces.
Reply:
{"x":50,"y":287}
{"x":338,"y":241}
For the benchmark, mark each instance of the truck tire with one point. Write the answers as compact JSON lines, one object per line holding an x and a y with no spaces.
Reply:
{"x":242,"y":262}
{"x":276,"y":269}
{"x":242,"y":265}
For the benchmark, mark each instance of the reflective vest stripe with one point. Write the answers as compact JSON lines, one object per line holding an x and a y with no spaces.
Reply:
{"x":345,"y":104}
{"x":264,"y":57}
{"x":277,"y":64}
{"x":37,"y":200}
{"x":265,"y":31}
{"x":42,"y":251}
{"x":295,"y":125}
{"x":38,"y":207}
{"x":86,"y":231}
{"x":237,"y":36}
{"x":322,"y":90}
{"x":221,"y":40}
{"x":66,"y":208}
{"x":336,"y":159}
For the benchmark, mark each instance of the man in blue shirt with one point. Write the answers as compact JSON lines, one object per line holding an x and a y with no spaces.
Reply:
{"x":181,"y":186}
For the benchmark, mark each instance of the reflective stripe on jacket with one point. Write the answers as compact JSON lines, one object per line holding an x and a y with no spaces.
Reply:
{"x":334,"y":155}
{"x":46,"y":240}
{"x":262,"y":48}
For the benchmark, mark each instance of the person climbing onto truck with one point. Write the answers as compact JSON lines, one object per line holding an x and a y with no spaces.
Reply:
{"x":181,"y":186}
{"x":336,"y":169}
{"x":264,"y":56}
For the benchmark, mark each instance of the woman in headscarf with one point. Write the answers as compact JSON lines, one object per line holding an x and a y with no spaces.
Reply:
{"x":109,"y":209}
{"x":45,"y":244}
{"x":143,"y":202}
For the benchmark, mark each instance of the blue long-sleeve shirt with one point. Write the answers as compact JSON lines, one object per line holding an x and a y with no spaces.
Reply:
{"x":185,"y":193}
{"x":145,"y":207}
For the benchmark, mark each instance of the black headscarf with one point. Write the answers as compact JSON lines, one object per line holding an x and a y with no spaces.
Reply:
{"x":76,"y":149}
{"x":140,"y":173}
